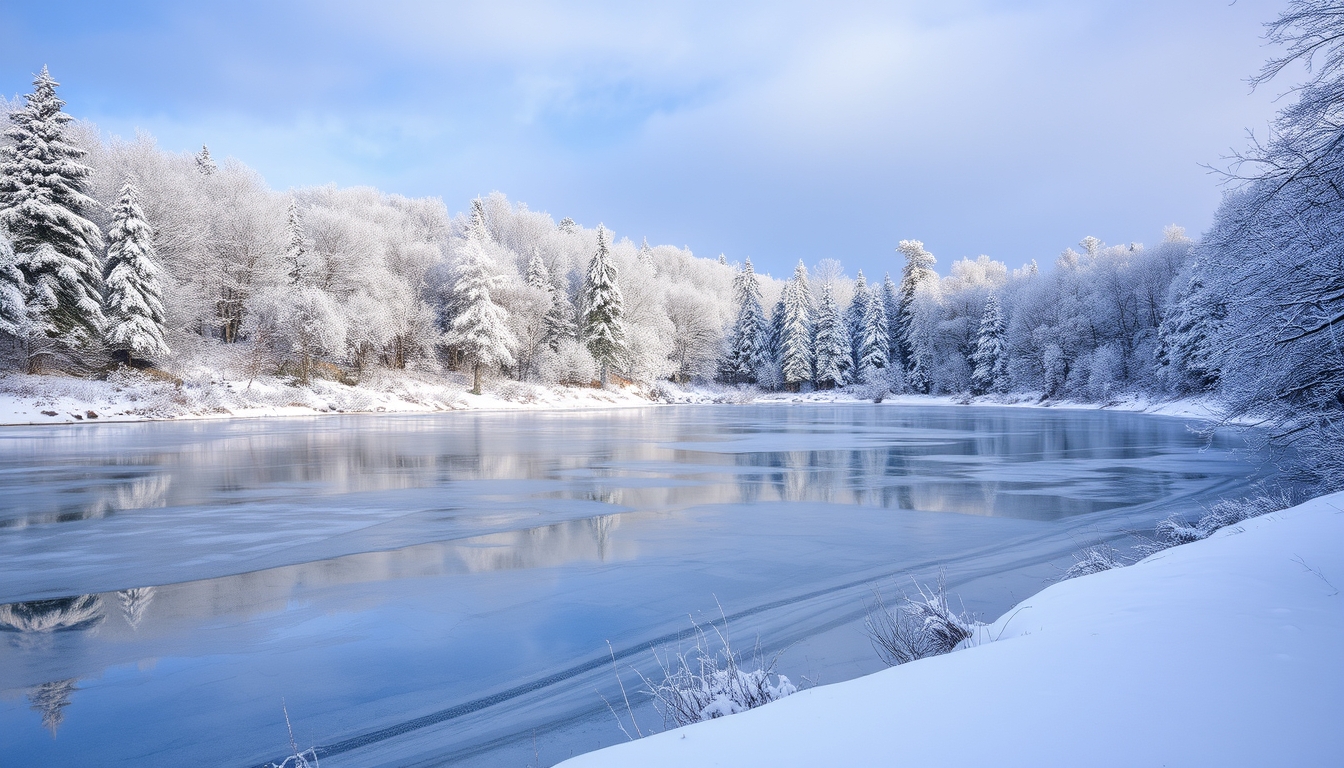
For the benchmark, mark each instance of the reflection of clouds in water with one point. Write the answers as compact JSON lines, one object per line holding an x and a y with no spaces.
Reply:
{"x":134,"y":603}
{"x":51,"y":699}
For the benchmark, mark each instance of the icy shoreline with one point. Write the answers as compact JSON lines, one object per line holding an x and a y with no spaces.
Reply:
{"x":1219,"y":652}
{"x":130,"y":397}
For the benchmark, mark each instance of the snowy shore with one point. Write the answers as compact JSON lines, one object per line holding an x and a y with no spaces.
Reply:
{"x":1223,"y":652}
{"x":132,"y":396}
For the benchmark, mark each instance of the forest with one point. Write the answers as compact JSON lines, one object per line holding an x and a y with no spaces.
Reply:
{"x":115,"y":253}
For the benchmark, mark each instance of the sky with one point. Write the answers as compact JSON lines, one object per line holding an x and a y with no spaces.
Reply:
{"x":775,"y":130}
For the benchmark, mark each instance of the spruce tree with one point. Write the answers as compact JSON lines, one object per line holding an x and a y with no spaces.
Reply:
{"x":646,"y":254}
{"x":918,"y":271}
{"x":748,"y":344}
{"x":13,"y":291}
{"x":42,"y":201}
{"x":558,"y":322}
{"x":834,"y":357}
{"x":603,"y":307}
{"x":991,"y":352}
{"x":874,"y":344}
{"x":1187,"y":357}
{"x":295,"y":258}
{"x":858,"y":305}
{"x":204,"y":163}
{"x":479,"y":329}
{"x":891,"y":304}
{"x":795,"y":343}
{"x":132,"y":302}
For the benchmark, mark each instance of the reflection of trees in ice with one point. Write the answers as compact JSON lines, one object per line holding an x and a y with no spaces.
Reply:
{"x":547,"y":545}
{"x":144,"y":492}
{"x":51,"y":699}
{"x":602,"y":526}
{"x":134,"y":603}
{"x":60,"y":615}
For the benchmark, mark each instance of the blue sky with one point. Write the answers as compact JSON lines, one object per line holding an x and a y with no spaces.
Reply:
{"x":775,"y":130}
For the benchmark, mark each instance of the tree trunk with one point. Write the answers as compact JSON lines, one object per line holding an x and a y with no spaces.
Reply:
{"x":476,"y":379}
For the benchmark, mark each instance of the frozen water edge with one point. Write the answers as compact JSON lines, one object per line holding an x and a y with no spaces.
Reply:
{"x":1220,"y":652}
{"x":129,"y":397}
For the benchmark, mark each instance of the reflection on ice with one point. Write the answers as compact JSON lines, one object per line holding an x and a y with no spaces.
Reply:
{"x":50,"y":700}
{"x":38,"y":617}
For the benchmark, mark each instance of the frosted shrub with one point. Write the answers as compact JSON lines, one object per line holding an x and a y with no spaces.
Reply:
{"x":1175,"y":531}
{"x":703,"y":684}
{"x":919,"y":626}
{"x":1094,"y":559}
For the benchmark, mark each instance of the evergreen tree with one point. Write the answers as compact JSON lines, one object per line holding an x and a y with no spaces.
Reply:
{"x":748,"y":345}
{"x":991,"y":351}
{"x":204,"y":163}
{"x":603,"y":307}
{"x":775,"y":338}
{"x":133,"y":301}
{"x":918,"y":270}
{"x":834,"y":356}
{"x":479,"y":329}
{"x":558,"y":322}
{"x":42,"y":200}
{"x":1187,"y":357}
{"x":891,"y":304}
{"x":646,"y":254}
{"x":295,"y":258}
{"x":795,"y":343}
{"x":13,"y":291}
{"x":874,"y":344}
{"x":858,"y":305}
{"x":567,"y":226}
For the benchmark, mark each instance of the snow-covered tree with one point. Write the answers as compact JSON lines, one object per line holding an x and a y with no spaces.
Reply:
{"x":795,"y":333}
{"x":646,"y":254}
{"x":43,"y":200}
{"x":991,"y":351}
{"x":133,"y":298}
{"x":204,"y":163}
{"x":13,"y":291}
{"x":834,"y":359}
{"x":296,"y":252}
{"x":874,"y":345}
{"x":891,"y":305}
{"x":918,"y":271}
{"x":1187,"y":356}
{"x":480,"y":329}
{"x":854,"y":314}
{"x":748,"y":343}
{"x":603,"y":328}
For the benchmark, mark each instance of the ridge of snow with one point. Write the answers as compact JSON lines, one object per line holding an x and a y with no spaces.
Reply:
{"x":1223,"y":652}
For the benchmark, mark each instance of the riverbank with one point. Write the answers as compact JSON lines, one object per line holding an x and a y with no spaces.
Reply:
{"x":134,"y":396}
{"x":1220,"y":652}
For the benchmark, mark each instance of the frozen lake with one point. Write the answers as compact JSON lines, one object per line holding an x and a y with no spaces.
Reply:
{"x":428,"y":590}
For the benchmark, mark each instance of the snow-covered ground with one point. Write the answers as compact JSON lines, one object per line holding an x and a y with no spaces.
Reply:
{"x":1224,"y":652}
{"x":135,"y":396}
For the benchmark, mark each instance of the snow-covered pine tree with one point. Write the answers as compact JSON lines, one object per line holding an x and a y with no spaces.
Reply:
{"x":891,"y":304}
{"x":567,"y":226}
{"x":204,"y":163}
{"x":479,"y":329}
{"x":1186,"y":355}
{"x":723,"y":259}
{"x":991,"y":351}
{"x":13,"y":292}
{"x":834,"y":357}
{"x":874,"y":345}
{"x":603,"y":329}
{"x":775,"y":336}
{"x":918,"y":270}
{"x":795,"y":343}
{"x":295,"y":258}
{"x":42,"y":201}
{"x":854,"y":313}
{"x":132,"y":300}
{"x":748,"y":344}
{"x":646,"y":254}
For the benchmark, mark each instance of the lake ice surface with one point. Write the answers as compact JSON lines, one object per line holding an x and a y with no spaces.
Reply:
{"x":441,"y":589}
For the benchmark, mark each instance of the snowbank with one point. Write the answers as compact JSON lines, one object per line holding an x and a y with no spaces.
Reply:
{"x":1224,"y":652}
{"x":134,"y":396}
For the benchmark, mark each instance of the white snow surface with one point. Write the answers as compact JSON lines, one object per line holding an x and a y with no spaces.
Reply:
{"x":1223,"y":652}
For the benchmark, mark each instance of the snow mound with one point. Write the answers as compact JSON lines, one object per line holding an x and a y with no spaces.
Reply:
{"x":1223,"y":652}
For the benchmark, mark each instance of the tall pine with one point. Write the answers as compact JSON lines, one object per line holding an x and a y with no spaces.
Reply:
{"x":42,"y":201}
{"x":858,"y":305}
{"x":603,"y":328}
{"x":991,"y":351}
{"x":914,"y":353}
{"x":873,"y":344}
{"x":748,"y":345}
{"x":479,"y":329}
{"x":132,"y":301}
{"x":891,"y":304}
{"x":295,"y":258}
{"x":834,"y":359}
{"x":204,"y":163}
{"x":795,"y":332}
